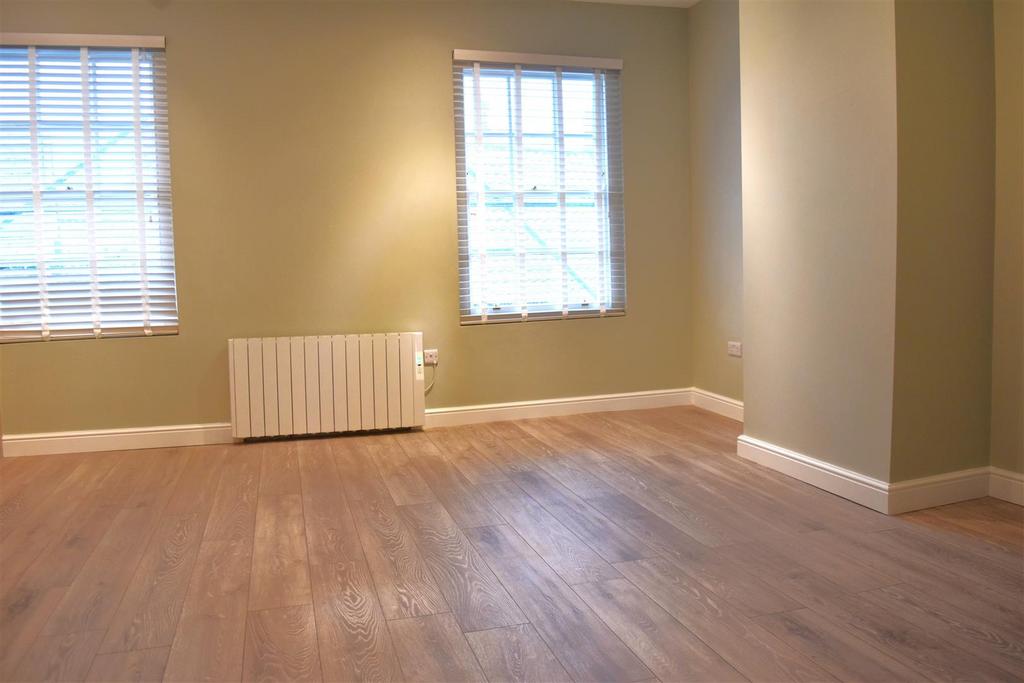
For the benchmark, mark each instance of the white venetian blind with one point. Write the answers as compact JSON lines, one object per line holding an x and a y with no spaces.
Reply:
{"x":86,"y":245}
{"x":539,"y":183}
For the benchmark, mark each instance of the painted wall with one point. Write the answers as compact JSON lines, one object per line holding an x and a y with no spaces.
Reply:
{"x":716,"y":211}
{"x":1008,"y":304}
{"x":818,"y":89}
{"x":945,"y":105}
{"x":313,"y":171}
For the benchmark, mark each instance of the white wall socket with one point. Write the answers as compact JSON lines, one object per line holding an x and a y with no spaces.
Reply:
{"x":430,"y":356}
{"x":734,"y":348}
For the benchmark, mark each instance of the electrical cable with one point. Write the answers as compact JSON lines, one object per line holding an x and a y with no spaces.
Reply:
{"x":433,"y":378}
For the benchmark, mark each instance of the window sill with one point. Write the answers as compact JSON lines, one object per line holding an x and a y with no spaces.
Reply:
{"x":63,"y":335}
{"x":538,"y":317}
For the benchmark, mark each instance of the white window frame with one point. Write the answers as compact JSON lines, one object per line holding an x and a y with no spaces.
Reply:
{"x":611,"y":255}
{"x":147,"y":184}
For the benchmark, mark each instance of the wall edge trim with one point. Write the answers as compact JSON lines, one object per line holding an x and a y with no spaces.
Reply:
{"x":859,"y":488}
{"x":118,"y":439}
{"x":171,"y":436}
{"x":890,"y":498}
{"x":1006,"y":485}
{"x":717,"y":403}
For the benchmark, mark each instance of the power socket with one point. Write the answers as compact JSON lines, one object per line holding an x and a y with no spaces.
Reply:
{"x":430,"y":356}
{"x":735,"y":348}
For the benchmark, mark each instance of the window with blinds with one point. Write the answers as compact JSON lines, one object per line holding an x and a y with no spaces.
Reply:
{"x":86,"y":247}
{"x":539,"y":186}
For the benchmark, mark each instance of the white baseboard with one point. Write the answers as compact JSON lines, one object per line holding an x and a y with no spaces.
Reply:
{"x":890,"y":498}
{"x":1006,"y":485}
{"x":859,"y":488}
{"x":126,"y":439}
{"x":171,"y":436}
{"x":553,"y":407}
{"x":716,"y":403}
{"x":941,"y":489}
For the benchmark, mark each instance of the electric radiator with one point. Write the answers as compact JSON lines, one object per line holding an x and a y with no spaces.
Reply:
{"x":312,"y":385}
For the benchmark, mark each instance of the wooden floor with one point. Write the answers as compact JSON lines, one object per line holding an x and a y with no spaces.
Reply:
{"x":626,"y":546}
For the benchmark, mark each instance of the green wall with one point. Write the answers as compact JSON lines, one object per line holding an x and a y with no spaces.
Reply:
{"x":716,"y":211}
{"x":313,"y":170}
{"x":818,"y":93}
{"x":1008,"y":305}
{"x":945,"y":99}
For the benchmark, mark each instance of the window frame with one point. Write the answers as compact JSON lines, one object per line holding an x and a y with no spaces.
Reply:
{"x":610,"y":136}
{"x":156,"y":189}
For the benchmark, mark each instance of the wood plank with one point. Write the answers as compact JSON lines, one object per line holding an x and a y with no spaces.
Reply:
{"x":780,"y":571}
{"x":280,"y":575}
{"x":148,"y":614}
{"x":745,"y":591}
{"x":63,"y":657}
{"x":516,"y":653}
{"x":210,"y":638}
{"x":462,"y":501}
{"x":35,"y":532}
{"x":403,"y":581}
{"x":662,"y":643}
{"x":29,"y":604}
{"x":280,"y":645}
{"x":330,"y":530}
{"x":404,"y":483}
{"x":21,"y":500}
{"x":849,"y":574}
{"x":562,"y":463}
{"x":576,"y":636}
{"x":233,"y":510}
{"x":570,"y":557}
{"x":745,"y":645}
{"x":140,"y":666}
{"x":432,"y":648}
{"x":958,"y":589}
{"x":279,"y":468}
{"x":475,"y":596}
{"x":1000,"y":647}
{"x":454,"y":445}
{"x":507,"y":453}
{"x":836,"y":649}
{"x":22,"y":623}
{"x":197,"y":485}
{"x":355,"y":643}
{"x":90,"y":601}
{"x":1002,"y":571}
{"x":609,"y":540}
{"x":935,"y":657}
{"x":641,"y":482}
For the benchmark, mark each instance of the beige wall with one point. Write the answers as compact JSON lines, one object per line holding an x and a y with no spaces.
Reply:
{"x":942,"y":384}
{"x":313,"y":179}
{"x":818,"y":88}
{"x":1008,"y":305}
{"x":716,"y":211}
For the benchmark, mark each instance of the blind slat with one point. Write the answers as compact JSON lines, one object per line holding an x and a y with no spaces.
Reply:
{"x":539,"y":191}
{"x":86,"y":241}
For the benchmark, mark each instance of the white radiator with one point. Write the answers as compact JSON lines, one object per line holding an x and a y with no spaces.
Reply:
{"x":313,"y":385}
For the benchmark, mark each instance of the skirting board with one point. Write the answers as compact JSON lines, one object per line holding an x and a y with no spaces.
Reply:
{"x":131,"y":438}
{"x":890,"y":498}
{"x":716,"y":403}
{"x":125,"y":439}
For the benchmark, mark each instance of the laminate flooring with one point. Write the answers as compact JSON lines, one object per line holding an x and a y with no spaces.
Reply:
{"x":629,"y":546}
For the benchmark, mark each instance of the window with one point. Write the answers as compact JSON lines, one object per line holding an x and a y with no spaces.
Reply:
{"x":85,"y":206}
{"x":539,"y":183}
